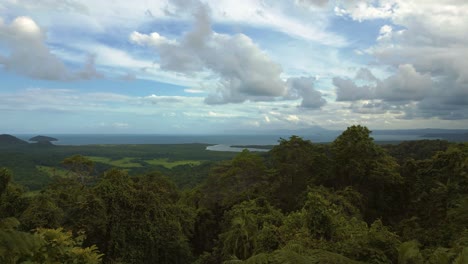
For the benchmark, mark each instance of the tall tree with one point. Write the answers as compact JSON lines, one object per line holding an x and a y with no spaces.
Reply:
{"x":360,"y":163}
{"x":142,"y":222}
{"x":298,"y":163}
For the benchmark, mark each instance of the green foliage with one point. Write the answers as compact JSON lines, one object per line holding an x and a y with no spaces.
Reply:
{"x":408,"y":253}
{"x":243,"y":178}
{"x":142,"y":222}
{"x":318,"y":216}
{"x":12,"y":201}
{"x":362,"y":164}
{"x":80,"y":166}
{"x":5,"y":178}
{"x":61,"y":247}
{"x":462,"y":257}
{"x":250,"y":227}
{"x":23,"y":160}
{"x":298,"y":163}
{"x":42,"y":212}
{"x":440,"y":256}
{"x":295,"y":254}
{"x":127,"y":162}
{"x":240,"y":240}
{"x":43,"y":246}
{"x":16,"y":246}
{"x":437,"y":190}
{"x":417,"y":150}
{"x":347,"y":202}
{"x":171,"y":164}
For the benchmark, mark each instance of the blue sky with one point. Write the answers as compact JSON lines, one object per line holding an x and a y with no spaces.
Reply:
{"x":195,"y":67}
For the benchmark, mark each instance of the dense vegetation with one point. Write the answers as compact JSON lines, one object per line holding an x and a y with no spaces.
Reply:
{"x":34,"y":165}
{"x":350,"y":201}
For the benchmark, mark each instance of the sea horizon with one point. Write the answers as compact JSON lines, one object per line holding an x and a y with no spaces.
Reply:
{"x":211,"y":139}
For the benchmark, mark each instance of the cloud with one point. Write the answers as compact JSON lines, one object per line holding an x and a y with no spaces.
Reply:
{"x":407,"y":92}
{"x":318,"y":3}
{"x":405,"y":85}
{"x":280,"y":16}
{"x":157,"y":99}
{"x":245,"y":72}
{"x":348,"y":90}
{"x":426,"y":42}
{"x":120,"y":125}
{"x":365,"y":10}
{"x":193,"y":91}
{"x":58,"y":5}
{"x":128,"y":77}
{"x":303,"y":87}
{"x":29,"y":55}
{"x":89,"y":69}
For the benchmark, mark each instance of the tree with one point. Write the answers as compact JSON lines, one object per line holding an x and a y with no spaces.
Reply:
{"x":43,"y":246}
{"x":80,"y":166}
{"x":318,"y":217}
{"x":360,"y":163}
{"x":298,"y":163}
{"x":141,"y":219}
{"x":437,"y":189}
{"x":243,"y":178}
{"x":249,"y":227}
{"x":5,"y":178}
{"x":42,"y":212}
{"x":12,"y":201}
{"x":240,"y":240}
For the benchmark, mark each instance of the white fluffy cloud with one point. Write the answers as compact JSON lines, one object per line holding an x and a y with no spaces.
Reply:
{"x":368,"y":9}
{"x":28,"y":54}
{"x":245,"y":72}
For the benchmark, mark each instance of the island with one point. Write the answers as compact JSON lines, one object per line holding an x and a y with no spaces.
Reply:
{"x":43,"y":140}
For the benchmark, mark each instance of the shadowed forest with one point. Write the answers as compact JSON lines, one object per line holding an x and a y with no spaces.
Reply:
{"x":349,"y":201}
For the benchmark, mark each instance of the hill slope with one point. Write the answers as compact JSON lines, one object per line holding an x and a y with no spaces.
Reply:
{"x":6,"y":139}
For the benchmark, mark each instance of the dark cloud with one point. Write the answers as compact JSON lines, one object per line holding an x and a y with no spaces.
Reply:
{"x":348,"y":90}
{"x":405,"y":85}
{"x":374,"y":107}
{"x":413,"y":94}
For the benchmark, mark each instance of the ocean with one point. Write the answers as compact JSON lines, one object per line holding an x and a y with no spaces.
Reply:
{"x":113,"y":139}
{"x":227,"y":140}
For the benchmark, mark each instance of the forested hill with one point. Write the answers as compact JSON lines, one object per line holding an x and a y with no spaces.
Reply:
{"x":10,"y":140}
{"x":350,"y":201}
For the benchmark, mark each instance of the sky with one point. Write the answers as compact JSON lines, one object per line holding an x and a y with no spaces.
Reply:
{"x":231,"y":66}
